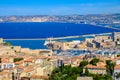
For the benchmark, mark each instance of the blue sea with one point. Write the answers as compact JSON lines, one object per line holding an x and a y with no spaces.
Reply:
{"x":45,"y":30}
{"x":32,"y":44}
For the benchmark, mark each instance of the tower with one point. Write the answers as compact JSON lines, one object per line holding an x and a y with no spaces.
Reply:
{"x":1,"y":40}
{"x":51,"y":52}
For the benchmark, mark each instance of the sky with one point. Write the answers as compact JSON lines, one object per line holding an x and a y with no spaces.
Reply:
{"x":58,"y":7}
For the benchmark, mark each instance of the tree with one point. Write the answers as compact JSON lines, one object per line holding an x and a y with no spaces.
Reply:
{"x":94,"y":61}
{"x":118,"y":75}
{"x":17,"y":59}
{"x":56,"y":70}
{"x":118,"y":55}
{"x":108,"y":77}
{"x":7,"y":44}
{"x":69,"y":78}
{"x":68,"y":73}
{"x":83,"y":63}
{"x":0,"y":60}
{"x":110,"y":67}
{"x":86,"y":72}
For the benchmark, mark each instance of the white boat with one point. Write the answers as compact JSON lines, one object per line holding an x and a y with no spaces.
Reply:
{"x":49,"y":40}
{"x":76,"y":41}
{"x":46,"y":42}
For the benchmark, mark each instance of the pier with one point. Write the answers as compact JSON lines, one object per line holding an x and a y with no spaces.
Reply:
{"x":107,"y":27}
{"x":57,"y":38}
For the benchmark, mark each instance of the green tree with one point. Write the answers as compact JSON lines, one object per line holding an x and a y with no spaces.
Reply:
{"x":56,"y":70}
{"x":83,"y":63}
{"x":0,"y":60}
{"x":110,"y":67}
{"x":86,"y":72}
{"x":108,"y":77}
{"x":17,"y":59}
{"x":68,"y":73}
{"x":71,"y":73}
{"x":94,"y":61}
{"x":118,"y":75}
{"x":7,"y":44}
{"x":69,"y":78}
{"x":118,"y":55}
{"x":80,"y":69}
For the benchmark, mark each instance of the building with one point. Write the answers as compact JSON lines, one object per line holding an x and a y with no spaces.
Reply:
{"x":17,"y":49}
{"x":116,"y":37}
{"x":59,"y":62}
{"x":91,"y":45}
{"x":82,"y":45}
{"x":98,"y":69}
{"x":116,"y":71}
{"x":7,"y":66}
{"x":107,"y":44}
{"x":1,"y":40}
{"x":102,"y":38}
{"x":89,"y":40}
{"x":84,"y":78}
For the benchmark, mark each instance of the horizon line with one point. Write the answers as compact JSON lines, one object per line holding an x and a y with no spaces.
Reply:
{"x":63,"y":14}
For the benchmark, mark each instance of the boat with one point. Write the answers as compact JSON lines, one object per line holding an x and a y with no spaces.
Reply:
{"x":76,"y":41}
{"x":48,"y":40}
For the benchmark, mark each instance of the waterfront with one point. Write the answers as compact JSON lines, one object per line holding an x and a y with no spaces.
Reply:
{"x":33,"y":35}
{"x":38,"y":43}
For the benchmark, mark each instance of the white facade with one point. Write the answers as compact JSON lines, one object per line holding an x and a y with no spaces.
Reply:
{"x":38,"y":61}
{"x":118,"y":62}
{"x":7,"y":65}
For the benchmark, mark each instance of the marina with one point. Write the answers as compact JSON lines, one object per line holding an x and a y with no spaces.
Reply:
{"x":38,"y":43}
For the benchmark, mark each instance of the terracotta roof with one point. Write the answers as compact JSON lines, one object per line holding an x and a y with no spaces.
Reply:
{"x":101,"y":64}
{"x":4,"y":72}
{"x":29,"y":69}
{"x":118,"y":57}
{"x":39,"y":77}
{"x":26,"y":56}
{"x":9,"y":69}
{"x":4,"y":60}
{"x":19,"y":62}
{"x":41,"y":57}
{"x":95,"y":67}
{"x":73,"y":58}
{"x":79,"y":57}
{"x":29,"y":60}
{"x":7,"y":79}
{"x":44,"y":51}
{"x":117,"y":67}
{"x":21,"y":67}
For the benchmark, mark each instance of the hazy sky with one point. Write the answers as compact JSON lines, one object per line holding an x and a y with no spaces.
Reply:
{"x":58,"y":7}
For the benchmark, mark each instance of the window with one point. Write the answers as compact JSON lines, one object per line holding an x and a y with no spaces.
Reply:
{"x":0,"y":60}
{"x":28,"y":74}
{"x":26,"y":64}
{"x":4,"y":66}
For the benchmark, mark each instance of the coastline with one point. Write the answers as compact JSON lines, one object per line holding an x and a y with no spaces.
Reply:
{"x":38,"y":43}
{"x":57,"y":38}
{"x":105,"y":26}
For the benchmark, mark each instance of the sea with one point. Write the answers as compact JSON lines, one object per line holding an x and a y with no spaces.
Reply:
{"x":32,"y":34}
